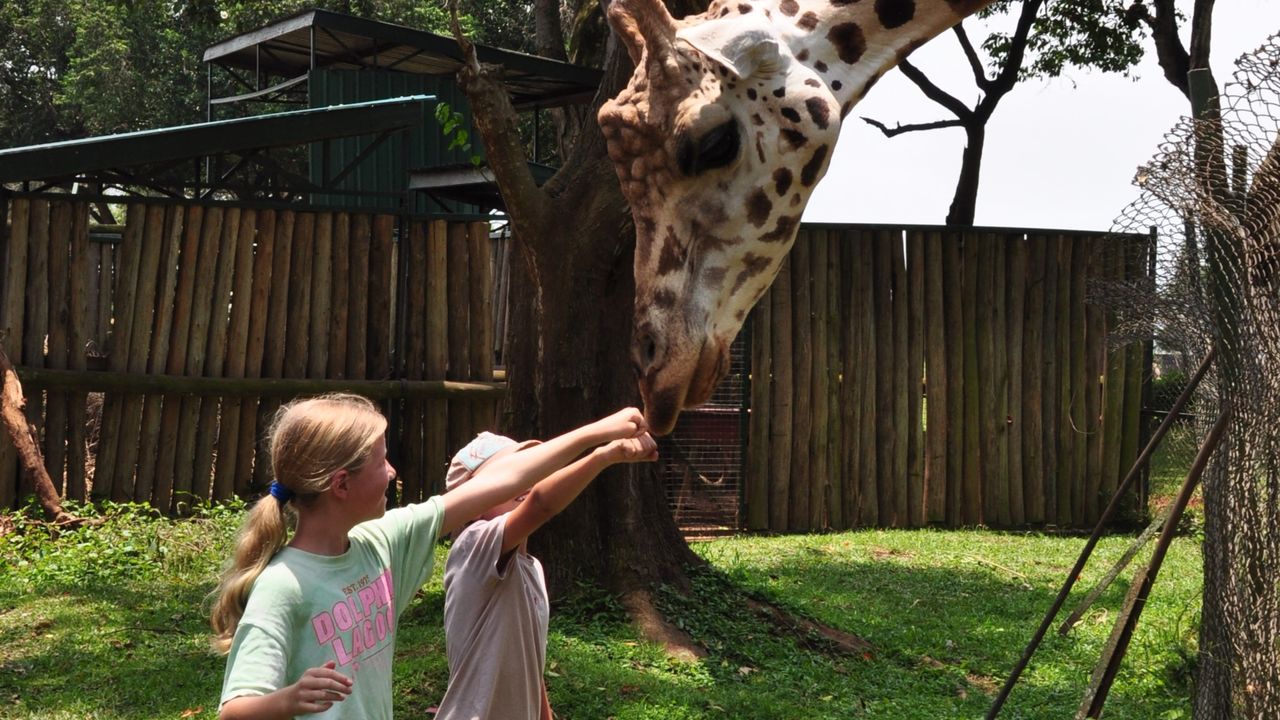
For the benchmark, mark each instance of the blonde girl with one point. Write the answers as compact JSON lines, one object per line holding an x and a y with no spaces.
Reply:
{"x":309,"y":621}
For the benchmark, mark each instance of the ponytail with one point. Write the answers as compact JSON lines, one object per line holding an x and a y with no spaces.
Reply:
{"x":310,"y":441}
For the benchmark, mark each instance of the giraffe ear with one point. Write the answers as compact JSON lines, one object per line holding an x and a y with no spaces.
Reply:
{"x":747,"y":44}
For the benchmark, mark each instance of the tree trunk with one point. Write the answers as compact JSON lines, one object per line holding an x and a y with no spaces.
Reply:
{"x":965,"y":201}
{"x":24,"y":438}
{"x":572,"y":294}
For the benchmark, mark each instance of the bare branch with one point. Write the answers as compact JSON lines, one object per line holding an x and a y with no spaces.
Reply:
{"x":933,"y":92}
{"x":495,"y":121}
{"x":900,"y":128}
{"x":975,"y":62}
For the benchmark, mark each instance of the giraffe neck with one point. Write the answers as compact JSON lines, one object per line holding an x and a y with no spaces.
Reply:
{"x":851,"y":43}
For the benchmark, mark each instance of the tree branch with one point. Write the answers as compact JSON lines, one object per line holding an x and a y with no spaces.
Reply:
{"x":900,"y":128}
{"x":1008,"y":76}
{"x":495,"y":121}
{"x":933,"y":92}
{"x":1170,"y":53}
{"x":975,"y":63}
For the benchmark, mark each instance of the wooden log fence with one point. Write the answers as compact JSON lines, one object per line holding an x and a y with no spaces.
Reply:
{"x":155,"y":354}
{"x":963,"y":376}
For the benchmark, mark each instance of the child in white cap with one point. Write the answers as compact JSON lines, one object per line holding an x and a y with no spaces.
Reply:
{"x":495,"y":605}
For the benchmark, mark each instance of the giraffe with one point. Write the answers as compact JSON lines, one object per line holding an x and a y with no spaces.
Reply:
{"x":718,"y":140}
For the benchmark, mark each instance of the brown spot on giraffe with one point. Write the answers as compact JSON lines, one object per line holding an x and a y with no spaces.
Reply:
{"x":809,"y":173}
{"x":808,"y":21}
{"x":782,"y":231}
{"x":794,"y":137}
{"x":752,"y":265}
{"x":790,"y":114}
{"x":758,"y":207}
{"x":789,"y":7}
{"x":819,"y":111}
{"x":744,"y":8}
{"x":895,"y":13}
{"x":848,"y":40}
{"x":781,"y":181}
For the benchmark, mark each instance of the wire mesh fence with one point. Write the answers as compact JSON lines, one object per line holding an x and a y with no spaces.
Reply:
{"x":702,"y":457}
{"x":1212,"y":195}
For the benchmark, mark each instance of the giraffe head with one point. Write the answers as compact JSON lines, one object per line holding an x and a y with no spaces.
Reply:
{"x":726,"y":126}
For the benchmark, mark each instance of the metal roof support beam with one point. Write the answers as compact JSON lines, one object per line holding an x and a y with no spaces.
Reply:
{"x":360,"y":157}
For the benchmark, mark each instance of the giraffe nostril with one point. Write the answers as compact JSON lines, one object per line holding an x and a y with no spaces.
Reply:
{"x":646,"y":352}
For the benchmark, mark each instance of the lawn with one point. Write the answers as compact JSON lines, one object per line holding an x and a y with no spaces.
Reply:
{"x":110,"y":622}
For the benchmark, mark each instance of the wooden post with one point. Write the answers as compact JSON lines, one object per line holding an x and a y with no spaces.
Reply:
{"x":358,"y":292}
{"x":989,"y":380}
{"x":436,"y":449}
{"x":1015,"y":400}
{"x":215,"y":353}
{"x":851,"y":387}
{"x":1083,"y":505}
{"x":191,"y":223}
{"x":460,"y":428}
{"x":277,"y":330}
{"x":381,"y":271}
{"x":158,"y":354}
{"x":937,"y":387}
{"x":836,"y":470}
{"x":1066,"y":433}
{"x":78,"y":297}
{"x":225,"y":480}
{"x":973,"y":437}
{"x":819,"y":473}
{"x":802,"y":360}
{"x":341,"y":300}
{"x":55,"y":419}
{"x":480,"y":344}
{"x":321,"y":297}
{"x":888,"y":482}
{"x":12,"y":330}
{"x":915,"y":311}
{"x":780,"y":411}
{"x":106,"y":483}
{"x":901,"y":376}
{"x":260,"y":309}
{"x":1033,"y":382}
{"x":869,"y":470}
{"x":758,"y":450}
{"x":953,"y":320}
{"x":1051,"y":380}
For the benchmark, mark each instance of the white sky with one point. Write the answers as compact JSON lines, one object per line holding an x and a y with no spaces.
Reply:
{"x":1056,"y":156}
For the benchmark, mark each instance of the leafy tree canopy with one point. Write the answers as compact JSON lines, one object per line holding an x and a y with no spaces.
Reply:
{"x":1100,"y":34}
{"x":79,"y":68}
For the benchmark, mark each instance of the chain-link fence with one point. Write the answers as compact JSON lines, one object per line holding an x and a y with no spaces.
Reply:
{"x":1212,"y":196}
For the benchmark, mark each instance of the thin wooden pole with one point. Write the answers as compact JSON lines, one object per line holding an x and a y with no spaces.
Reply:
{"x":913,"y":298}
{"x":819,"y":473}
{"x":1085,"y":552}
{"x":79,"y":333}
{"x":802,"y":381}
{"x":780,"y":410}
{"x":757,"y":488}
{"x":1109,"y":664}
{"x":937,"y":425}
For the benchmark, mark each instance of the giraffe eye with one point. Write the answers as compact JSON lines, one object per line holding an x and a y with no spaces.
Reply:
{"x":716,"y":148}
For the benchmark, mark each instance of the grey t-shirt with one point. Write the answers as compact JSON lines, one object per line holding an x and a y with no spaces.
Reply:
{"x":495,"y":627}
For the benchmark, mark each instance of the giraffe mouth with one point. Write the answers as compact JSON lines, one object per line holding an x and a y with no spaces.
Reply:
{"x":663,"y":401}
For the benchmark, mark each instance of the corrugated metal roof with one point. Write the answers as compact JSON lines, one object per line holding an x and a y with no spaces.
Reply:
{"x":51,"y":161}
{"x":344,"y":42}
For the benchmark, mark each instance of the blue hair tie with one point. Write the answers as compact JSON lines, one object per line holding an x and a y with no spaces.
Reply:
{"x":280,"y":492}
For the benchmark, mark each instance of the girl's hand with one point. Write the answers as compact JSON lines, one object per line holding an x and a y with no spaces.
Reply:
{"x":626,"y":423}
{"x":318,"y":689}
{"x":642,"y":448}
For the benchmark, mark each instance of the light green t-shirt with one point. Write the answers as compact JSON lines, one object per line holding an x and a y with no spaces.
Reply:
{"x":305,"y":610}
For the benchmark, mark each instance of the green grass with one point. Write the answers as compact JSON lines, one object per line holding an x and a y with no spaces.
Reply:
{"x":109,"y":622}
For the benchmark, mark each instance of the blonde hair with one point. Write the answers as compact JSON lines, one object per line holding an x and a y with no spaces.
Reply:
{"x":310,"y":440}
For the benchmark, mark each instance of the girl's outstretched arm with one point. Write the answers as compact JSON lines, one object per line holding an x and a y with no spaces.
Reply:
{"x":509,"y":476}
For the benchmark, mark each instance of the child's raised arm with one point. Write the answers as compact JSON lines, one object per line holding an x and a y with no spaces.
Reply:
{"x":507,"y":477}
{"x":554,"y":494}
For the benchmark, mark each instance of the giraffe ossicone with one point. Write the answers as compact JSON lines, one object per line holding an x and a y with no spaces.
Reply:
{"x":718,"y":140}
